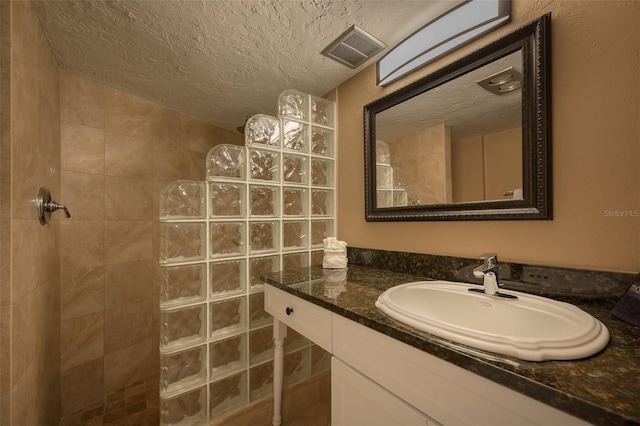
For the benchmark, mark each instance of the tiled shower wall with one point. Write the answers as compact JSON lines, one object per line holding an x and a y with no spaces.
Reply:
{"x":29,"y":270}
{"x":118,"y":152}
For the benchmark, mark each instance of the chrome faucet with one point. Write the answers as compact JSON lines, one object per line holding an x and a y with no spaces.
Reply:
{"x":489,"y":272}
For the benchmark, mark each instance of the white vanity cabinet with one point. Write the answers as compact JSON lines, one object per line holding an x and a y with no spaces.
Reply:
{"x":375,"y":376}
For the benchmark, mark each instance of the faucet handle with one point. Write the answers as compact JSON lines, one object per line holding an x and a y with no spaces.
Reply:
{"x":489,"y":259}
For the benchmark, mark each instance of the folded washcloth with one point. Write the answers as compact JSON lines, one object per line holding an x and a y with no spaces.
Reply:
{"x":628,"y":307}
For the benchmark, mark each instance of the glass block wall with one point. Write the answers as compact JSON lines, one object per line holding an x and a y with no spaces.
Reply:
{"x":265,"y":206}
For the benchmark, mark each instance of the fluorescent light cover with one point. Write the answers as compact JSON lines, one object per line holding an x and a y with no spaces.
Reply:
{"x":446,"y":33}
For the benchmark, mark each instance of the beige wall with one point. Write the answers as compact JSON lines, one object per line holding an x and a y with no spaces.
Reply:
{"x":30,"y":287}
{"x":596,"y":150}
{"x":118,"y":153}
{"x":483,"y":167}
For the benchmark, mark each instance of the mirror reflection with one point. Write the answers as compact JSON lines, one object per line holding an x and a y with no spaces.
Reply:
{"x":456,"y":143}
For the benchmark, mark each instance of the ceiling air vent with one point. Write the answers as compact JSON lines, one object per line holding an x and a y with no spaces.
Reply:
{"x":354,"y":47}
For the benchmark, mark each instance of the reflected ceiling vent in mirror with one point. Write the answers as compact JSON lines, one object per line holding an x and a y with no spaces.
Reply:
{"x":502,"y":82}
{"x":354,"y":47}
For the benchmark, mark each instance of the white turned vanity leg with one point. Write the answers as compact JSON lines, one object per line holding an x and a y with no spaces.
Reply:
{"x":279,"y":334}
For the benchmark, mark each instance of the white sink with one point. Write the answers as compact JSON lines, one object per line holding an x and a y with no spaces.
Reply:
{"x":530,"y":327}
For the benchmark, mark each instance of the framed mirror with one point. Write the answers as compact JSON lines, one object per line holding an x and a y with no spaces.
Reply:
{"x":470,"y":141}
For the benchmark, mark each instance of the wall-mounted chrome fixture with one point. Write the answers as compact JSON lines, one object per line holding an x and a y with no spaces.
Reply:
{"x":442,"y":35}
{"x":353,"y":47}
{"x":502,"y":82}
{"x":45,"y":206}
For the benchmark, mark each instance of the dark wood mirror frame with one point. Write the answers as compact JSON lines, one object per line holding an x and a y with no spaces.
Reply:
{"x":533,"y":40}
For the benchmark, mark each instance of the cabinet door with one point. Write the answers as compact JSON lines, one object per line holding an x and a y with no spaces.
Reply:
{"x":358,"y":401}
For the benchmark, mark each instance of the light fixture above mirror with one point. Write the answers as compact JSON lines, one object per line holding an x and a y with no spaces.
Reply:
{"x":455,"y":28}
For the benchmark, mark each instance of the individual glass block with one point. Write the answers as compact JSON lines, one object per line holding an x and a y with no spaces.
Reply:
{"x":322,"y":141}
{"x":400,"y":198}
{"x":226,"y":161}
{"x":228,"y":277}
{"x":257,"y":315}
{"x":292,"y":103}
{"x":321,"y":172}
{"x":264,"y":165}
{"x":182,"y":326}
{"x":295,"y":234}
{"x":181,"y":242}
{"x":295,"y":261}
{"x":261,"y":266}
{"x":227,"y":355}
{"x":320,"y":360}
{"x":321,"y":202}
{"x":263,"y":200}
{"x":227,"y":238}
{"x":384,"y":198}
{"x":322,"y":111}
{"x":320,"y":229}
{"x":261,"y":345}
{"x":228,"y":394}
{"x":187,"y":408}
{"x":294,"y":135}
{"x":183,"y":369}
{"x":295,"y":341}
{"x":260,"y":381}
{"x":398,"y":181}
{"x":296,"y":367}
{"x":227,"y":199}
{"x":383,"y":156}
{"x":182,"y":199}
{"x":228,"y":316}
{"x":384,"y":177}
{"x":263,"y":237}
{"x":294,"y":169}
{"x":295,"y":201}
{"x":317,"y":257}
{"x":262,"y":129}
{"x":182,"y":284}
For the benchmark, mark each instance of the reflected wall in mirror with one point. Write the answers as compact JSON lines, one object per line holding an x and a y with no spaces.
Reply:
{"x":470,"y":141}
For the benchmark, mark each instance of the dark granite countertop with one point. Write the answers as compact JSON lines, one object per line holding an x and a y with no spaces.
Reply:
{"x":603,"y":389}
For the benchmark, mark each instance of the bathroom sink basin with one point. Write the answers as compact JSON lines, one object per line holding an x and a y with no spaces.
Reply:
{"x":530,"y":327}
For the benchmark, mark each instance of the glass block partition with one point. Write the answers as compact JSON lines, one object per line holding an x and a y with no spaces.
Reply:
{"x":265,"y":206}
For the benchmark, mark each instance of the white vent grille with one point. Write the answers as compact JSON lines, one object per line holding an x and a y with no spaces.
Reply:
{"x":354,"y":47}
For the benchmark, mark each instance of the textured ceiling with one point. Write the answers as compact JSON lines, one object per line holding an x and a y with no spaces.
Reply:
{"x":219,"y":60}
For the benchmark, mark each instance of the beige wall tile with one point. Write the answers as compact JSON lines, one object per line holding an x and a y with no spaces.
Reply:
{"x":83,"y":194}
{"x":128,"y":199}
{"x":81,"y":340}
{"x":171,"y":163}
{"x":82,"y":385}
{"x":34,"y":255}
{"x":82,"y":244}
{"x":128,"y":365}
{"x":127,"y":115}
{"x":127,"y":283}
{"x":127,"y":241}
{"x":81,"y":101}
{"x":81,"y":291}
{"x":126,"y":325}
{"x":83,"y":148}
{"x":5,"y":348}
{"x":24,"y":34}
{"x":35,"y":399}
{"x":167,"y":128}
{"x":34,"y":320}
{"x":128,"y":156}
